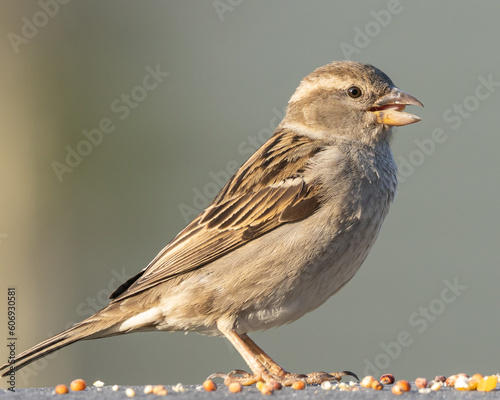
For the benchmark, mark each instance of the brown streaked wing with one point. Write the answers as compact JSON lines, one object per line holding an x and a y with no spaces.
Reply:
{"x":242,"y":211}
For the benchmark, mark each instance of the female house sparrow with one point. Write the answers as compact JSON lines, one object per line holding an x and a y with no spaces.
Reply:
{"x":288,"y":230}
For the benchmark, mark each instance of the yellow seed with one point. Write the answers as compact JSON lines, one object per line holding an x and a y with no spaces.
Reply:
{"x":235,"y":387}
{"x":61,"y":389}
{"x":487,"y":384}
{"x":462,"y":383}
{"x":405,"y":385}
{"x":148,"y":389}
{"x":436,"y":386}
{"x":130,"y":392}
{"x":78,"y":385}
{"x":366,"y":382}
{"x":396,"y":389}
{"x":266,"y":389}
{"x":209,"y":385}
{"x":298,"y":385}
{"x":158,"y":388}
{"x":376,"y":385}
{"x":477,"y":377}
{"x":259,"y":385}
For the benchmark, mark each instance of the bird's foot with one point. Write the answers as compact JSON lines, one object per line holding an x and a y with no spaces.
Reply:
{"x":319,"y":377}
{"x":238,"y":375}
{"x":282,"y":377}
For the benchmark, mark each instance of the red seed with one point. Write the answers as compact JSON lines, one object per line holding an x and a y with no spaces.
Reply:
{"x":387,"y":379}
{"x":421,"y":383}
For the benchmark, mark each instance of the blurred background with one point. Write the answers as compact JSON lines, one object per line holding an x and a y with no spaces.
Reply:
{"x":121,"y":120}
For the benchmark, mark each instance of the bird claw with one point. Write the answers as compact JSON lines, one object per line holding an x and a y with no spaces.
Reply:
{"x":338,"y":375}
{"x":245,"y":379}
{"x":217,"y":375}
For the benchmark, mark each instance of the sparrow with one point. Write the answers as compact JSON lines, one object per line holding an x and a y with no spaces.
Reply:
{"x":286,"y":232}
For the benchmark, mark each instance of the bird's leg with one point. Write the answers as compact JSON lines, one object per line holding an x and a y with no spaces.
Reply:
{"x":272,"y":366}
{"x":288,"y":378}
{"x":260,"y":372}
{"x":264,"y":368}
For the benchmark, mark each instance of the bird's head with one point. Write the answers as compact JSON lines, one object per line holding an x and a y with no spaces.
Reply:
{"x":350,"y":99}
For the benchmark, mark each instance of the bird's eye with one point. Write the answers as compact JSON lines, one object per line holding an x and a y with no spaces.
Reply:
{"x":354,"y":92}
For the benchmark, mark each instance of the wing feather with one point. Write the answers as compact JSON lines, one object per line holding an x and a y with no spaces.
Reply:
{"x":270,"y":189}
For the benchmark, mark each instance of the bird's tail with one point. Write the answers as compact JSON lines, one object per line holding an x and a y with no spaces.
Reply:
{"x":93,"y":327}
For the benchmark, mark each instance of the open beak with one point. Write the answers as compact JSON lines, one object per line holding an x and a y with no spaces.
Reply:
{"x":389,"y":108}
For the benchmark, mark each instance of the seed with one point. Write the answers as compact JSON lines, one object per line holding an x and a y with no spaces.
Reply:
{"x":440,"y":378}
{"x":421,"y":383}
{"x":473,"y":384}
{"x":235,"y":387}
{"x":477,"y":377}
{"x":387,"y":379}
{"x":326,"y":385}
{"x":404,"y":385}
{"x":298,"y":385}
{"x":130,"y":392}
{"x":376,"y":385}
{"x":158,"y":388}
{"x":78,"y":385}
{"x":61,"y":389}
{"x":436,"y":386}
{"x":148,"y":389}
{"x":462,"y":383}
{"x":450,"y":381}
{"x":178,"y":388}
{"x":396,"y":389}
{"x":98,"y":383}
{"x":266,"y":389}
{"x":424,"y":390}
{"x":366,"y":382}
{"x":209,"y":385}
{"x":115,"y":388}
{"x":275,"y":385}
{"x":259,"y":385}
{"x":487,"y":384}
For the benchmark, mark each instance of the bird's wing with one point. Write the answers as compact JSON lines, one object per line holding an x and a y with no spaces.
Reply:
{"x":267,"y":191}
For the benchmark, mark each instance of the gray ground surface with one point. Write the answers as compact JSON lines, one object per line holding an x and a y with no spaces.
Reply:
{"x":196,"y":392}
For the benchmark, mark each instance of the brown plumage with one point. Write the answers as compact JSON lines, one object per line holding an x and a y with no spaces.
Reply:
{"x":287,"y":231}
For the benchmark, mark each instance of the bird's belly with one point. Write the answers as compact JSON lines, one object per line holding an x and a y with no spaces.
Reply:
{"x":261,"y":287}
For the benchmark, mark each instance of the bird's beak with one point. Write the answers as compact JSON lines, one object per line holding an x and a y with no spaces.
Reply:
{"x":388,"y":109}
